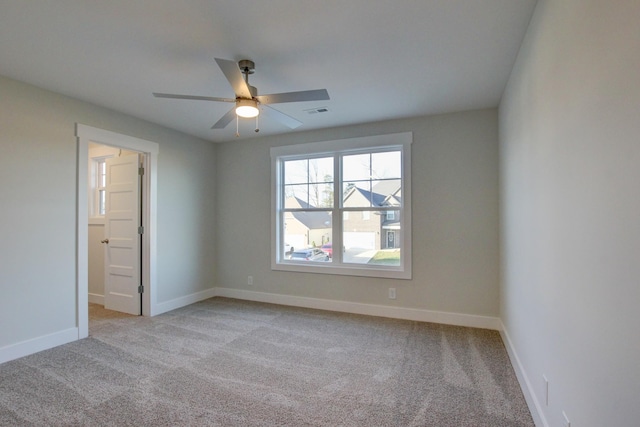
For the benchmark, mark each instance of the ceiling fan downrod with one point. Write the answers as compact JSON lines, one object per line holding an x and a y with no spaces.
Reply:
{"x":247,"y":67}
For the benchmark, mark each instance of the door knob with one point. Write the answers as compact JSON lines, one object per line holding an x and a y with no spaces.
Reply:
{"x":105,"y":241}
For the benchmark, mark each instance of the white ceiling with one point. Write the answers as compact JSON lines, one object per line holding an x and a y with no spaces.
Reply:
{"x":378,"y":59}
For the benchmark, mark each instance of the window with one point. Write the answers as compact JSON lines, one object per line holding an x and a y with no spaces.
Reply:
{"x":99,"y":183}
{"x":352,"y":195}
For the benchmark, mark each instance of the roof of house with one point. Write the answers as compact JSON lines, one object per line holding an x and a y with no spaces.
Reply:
{"x":385,"y":193}
{"x":312,"y":220}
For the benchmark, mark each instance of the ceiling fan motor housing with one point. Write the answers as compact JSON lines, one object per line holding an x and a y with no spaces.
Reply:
{"x":247,"y":66}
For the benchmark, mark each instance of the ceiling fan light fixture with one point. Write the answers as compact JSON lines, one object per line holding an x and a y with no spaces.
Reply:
{"x":247,"y":108}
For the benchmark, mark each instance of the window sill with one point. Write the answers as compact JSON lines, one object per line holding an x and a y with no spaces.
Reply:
{"x":343,"y":270}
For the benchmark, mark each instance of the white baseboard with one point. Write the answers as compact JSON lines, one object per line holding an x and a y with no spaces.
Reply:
{"x":529,"y":394}
{"x":35,"y":345}
{"x":163,"y":307}
{"x":419,"y":315}
{"x":96,"y":299}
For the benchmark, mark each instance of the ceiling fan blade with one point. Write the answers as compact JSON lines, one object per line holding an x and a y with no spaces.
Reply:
{"x":225,"y":120}
{"x":305,"y":95}
{"x":234,"y":75}
{"x":193,"y":97}
{"x":281,"y":117}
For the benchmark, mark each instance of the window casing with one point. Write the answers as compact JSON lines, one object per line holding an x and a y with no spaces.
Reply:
{"x":349,"y":197}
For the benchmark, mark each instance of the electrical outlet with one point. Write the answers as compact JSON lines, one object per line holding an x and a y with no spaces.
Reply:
{"x":546,"y":390}
{"x":250,"y":280}
{"x":392,"y":293}
{"x":566,"y":422}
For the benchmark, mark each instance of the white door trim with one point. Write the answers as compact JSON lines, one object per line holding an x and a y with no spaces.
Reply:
{"x":87,"y":134}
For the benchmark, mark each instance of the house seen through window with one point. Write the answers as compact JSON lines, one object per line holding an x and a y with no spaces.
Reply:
{"x":344,"y":210}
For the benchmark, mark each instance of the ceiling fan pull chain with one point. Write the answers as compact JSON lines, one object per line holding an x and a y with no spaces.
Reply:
{"x":257,"y":127}
{"x":237,"y":127}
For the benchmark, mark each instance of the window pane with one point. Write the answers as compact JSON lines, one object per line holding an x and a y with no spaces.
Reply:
{"x":356,"y":167}
{"x":305,"y":231}
{"x":296,"y":196}
{"x":321,"y":179}
{"x":321,"y":169}
{"x":296,"y":172}
{"x":321,"y":195}
{"x":373,"y":242}
{"x":102,"y":173}
{"x":102,"y":202}
{"x":386,"y":193}
{"x":356,"y":194}
{"x":386,"y":165}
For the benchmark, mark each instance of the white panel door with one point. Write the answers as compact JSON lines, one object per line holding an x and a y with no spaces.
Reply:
{"x":122,"y":238}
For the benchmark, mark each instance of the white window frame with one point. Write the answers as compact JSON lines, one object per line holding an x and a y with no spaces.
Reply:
{"x":94,"y":207}
{"x":97,"y":161}
{"x":398,"y":141}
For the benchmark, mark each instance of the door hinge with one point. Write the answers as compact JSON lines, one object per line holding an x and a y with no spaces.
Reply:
{"x":140,"y":289}
{"x":140,"y":170}
{"x":141,"y":230}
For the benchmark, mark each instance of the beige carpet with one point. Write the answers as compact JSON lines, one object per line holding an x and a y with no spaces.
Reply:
{"x":226,"y":362}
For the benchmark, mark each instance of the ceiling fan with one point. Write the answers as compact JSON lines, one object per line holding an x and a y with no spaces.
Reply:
{"x":247,"y":99}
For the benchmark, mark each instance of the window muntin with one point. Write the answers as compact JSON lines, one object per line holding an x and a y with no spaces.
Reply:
{"x":348,"y":195}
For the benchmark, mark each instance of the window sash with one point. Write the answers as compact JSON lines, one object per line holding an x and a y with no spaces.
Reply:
{"x":99,"y":174}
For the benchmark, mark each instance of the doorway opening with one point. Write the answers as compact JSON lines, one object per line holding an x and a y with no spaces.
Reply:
{"x":115,"y":228}
{"x":87,"y":136}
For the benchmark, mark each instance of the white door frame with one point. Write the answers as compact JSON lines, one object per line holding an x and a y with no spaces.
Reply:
{"x":87,"y":134}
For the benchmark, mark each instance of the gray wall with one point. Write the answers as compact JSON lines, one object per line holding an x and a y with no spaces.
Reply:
{"x":38,"y":208}
{"x":570,"y":173}
{"x":455,"y":217}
